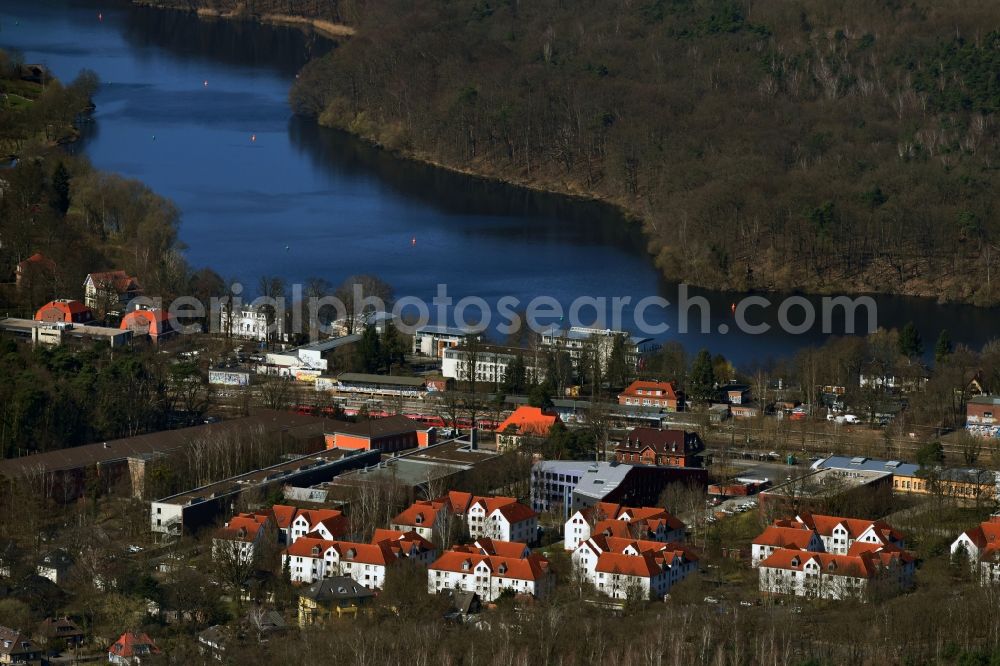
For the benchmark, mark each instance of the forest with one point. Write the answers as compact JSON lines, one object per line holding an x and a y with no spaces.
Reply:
{"x":762,"y":144}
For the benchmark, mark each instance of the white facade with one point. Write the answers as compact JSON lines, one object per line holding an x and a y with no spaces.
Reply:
{"x":433,"y":340}
{"x":245,"y":551}
{"x":165,"y":517}
{"x":759,"y":552}
{"x":249,"y":324}
{"x":325,"y":562}
{"x":490,"y":364}
{"x":489,"y":582}
{"x":496,"y":525}
{"x":576,"y":530}
{"x":811,"y":581}
{"x":616,"y":581}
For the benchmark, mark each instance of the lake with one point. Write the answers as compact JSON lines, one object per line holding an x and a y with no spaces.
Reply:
{"x":198,"y":111}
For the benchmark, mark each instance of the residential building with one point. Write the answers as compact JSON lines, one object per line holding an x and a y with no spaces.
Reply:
{"x":251,"y":323}
{"x":310,"y":559}
{"x":652,"y":394}
{"x":110,"y":292}
{"x":576,"y":339}
{"x":981,"y":546}
{"x":155,"y":323}
{"x":61,"y":629}
{"x":566,"y":486}
{"x":623,"y":567}
{"x":835,"y":576}
{"x":790,"y":535}
{"x":407,"y":545}
{"x":432,"y":341}
{"x":428,"y":518}
{"x":55,"y":565}
{"x":308,"y":362}
{"x":614,"y":520}
{"x":503,"y":519}
{"x":653,"y":446}
{"x":242,"y":537}
{"x":388,"y":435}
{"x":17,"y":648}
{"x":339,"y":596}
{"x":469,"y":569}
{"x":525,"y":421}
{"x":34,"y":270}
{"x":839,"y":534}
{"x":488,"y":363}
{"x":131,"y":649}
{"x":326,"y":524}
{"x":64,"y":311}
{"x":736,"y":394}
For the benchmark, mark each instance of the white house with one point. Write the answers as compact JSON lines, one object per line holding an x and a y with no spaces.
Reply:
{"x":433,"y":340}
{"x":241,"y":537}
{"x":488,"y":363}
{"x":834,"y":576}
{"x":310,"y":559}
{"x":428,"y":518}
{"x":250,"y":323}
{"x":981,"y":545}
{"x":839,"y":534}
{"x":466,"y":568}
{"x":648,"y":523}
{"x":327,"y":524}
{"x":776,"y":537}
{"x":503,"y":520}
{"x":620,"y":567}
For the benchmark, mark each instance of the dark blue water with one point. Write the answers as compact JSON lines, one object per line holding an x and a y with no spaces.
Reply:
{"x":264,"y":193}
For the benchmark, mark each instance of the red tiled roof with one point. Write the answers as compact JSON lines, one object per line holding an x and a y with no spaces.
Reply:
{"x":365,"y":553}
{"x":423,"y":513}
{"x":283,"y":515}
{"x":406,"y":539}
{"x":303,"y":547}
{"x":527,"y":420}
{"x":457,"y":500}
{"x":503,"y":548}
{"x":243,"y":527}
{"x":333,"y":520}
{"x":669,"y":391}
{"x":785,"y":537}
{"x":859,"y":566}
{"x":516,"y":512}
{"x":528,"y":568}
{"x":37,"y":260}
{"x":131,"y":644}
{"x":644,"y":564}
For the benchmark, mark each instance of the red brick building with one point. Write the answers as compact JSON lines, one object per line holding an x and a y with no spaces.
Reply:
{"x":650,"y":446}
{"x":642,"y":393}
{"x":983,"y":410}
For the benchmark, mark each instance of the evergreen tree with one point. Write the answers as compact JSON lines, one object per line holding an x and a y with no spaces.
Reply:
{"x":60,"y":189}
{"x":391,"y":347}
{"x":371,"y":350}
{"x":911,"y":345}
{"x":701,"y":384}
{"x":618,"y":370}
{"x":943,"y":348}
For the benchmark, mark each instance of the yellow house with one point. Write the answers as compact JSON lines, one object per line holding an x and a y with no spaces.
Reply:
{"x":958,"y":483}
{"x":338,"y":597}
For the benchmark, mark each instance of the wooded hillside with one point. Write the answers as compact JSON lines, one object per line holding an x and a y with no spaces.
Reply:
{"x":767,"y":144}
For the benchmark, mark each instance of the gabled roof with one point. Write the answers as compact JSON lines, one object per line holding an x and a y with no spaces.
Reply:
{"x":458,"y":501}
{"x":824,"y":526}
{"x":333,"y":520}
{"x":986,"y":534}
{"x":489,"y":546}
{"x":644,"y":565}
{"x":785,"y":537}
{"x":666,"y":441}
{"x":243,"y":527}
{"x":131,"y":644}
{"x":308,"y":546}
{"x":117,"y":281}
{"x":668,"y":388}
{"x":283,"y":515}
{"x":527,"y":568}
{"x":37,"y":261}
{"x":423,"y":513}
{"x":516,"y":512}
{"x":365,"y":553}
{"x":857,"y":566}
{"x":527,"y":420}
{"x":405,"y":540}
{"x":20,"y":644}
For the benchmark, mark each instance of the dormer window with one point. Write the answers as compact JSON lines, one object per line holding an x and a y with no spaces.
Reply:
{"x":832,"y":566}
{"x":502,"y":569}
{"x":315,"y":550}
{"x":795,"y":561}
{"x":465,"y":565}
{"x":351,"y":553}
